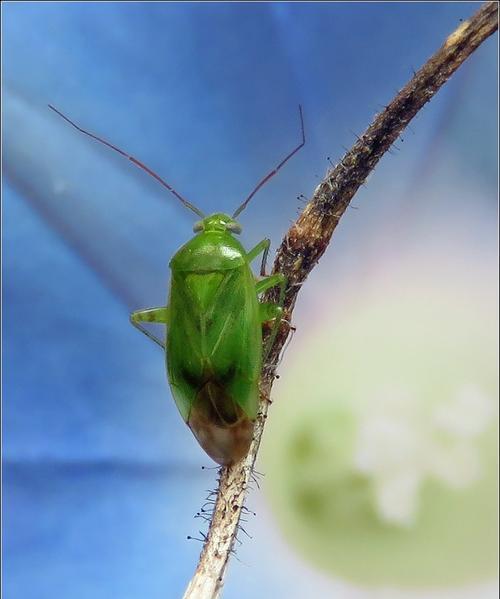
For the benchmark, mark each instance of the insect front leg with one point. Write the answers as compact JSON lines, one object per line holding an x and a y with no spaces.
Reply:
{"x":270,"y":311}
{"x":157,"y":315}
{"x":263,"y":246}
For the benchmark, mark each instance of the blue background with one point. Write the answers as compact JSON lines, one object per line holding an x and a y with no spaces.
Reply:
{"x":101,"y":476}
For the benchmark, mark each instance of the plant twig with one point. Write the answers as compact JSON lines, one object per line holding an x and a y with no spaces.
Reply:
{"x":302,"y":247}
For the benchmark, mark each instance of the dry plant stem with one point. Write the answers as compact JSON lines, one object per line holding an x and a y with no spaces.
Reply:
{"x":303,"y":246}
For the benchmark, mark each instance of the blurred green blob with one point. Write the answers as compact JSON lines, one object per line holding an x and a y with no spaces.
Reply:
{"x":381,"y":450}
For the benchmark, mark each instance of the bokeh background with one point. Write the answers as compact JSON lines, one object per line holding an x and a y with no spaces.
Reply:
{"x":379,"y":457}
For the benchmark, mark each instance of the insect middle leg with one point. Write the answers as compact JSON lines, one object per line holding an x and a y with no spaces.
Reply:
{"x":157,"y":315}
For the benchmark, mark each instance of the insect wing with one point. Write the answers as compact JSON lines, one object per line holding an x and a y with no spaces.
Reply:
{"x":215,"y":338}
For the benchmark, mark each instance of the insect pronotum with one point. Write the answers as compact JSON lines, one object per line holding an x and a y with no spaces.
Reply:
{"x":214,"y":320}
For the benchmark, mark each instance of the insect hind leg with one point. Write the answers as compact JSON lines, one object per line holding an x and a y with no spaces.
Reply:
{"x":271,"y":311}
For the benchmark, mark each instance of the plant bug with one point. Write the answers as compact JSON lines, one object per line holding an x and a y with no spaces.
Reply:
{"x":214,"y":321}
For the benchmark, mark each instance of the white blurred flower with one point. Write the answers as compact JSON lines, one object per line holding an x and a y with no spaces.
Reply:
{"x":456,"y":464}
{"x":399,"y":447}
{"x":466,"y":414}
{"x":397,"y":497}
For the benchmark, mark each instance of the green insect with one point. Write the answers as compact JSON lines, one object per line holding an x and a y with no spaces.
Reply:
{"x":214,"y":321}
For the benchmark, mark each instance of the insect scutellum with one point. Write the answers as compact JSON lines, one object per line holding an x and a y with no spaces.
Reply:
{"x":217,"y":222}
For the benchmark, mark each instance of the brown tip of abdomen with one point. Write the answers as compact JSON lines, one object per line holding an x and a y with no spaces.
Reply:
{"x":226,"y":437}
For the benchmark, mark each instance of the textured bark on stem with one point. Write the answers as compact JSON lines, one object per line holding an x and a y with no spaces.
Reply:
{"x":303,"y":246}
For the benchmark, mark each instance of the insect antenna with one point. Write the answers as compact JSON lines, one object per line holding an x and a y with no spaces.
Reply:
{"x":137,"y":163}
{"x":274,"y":171}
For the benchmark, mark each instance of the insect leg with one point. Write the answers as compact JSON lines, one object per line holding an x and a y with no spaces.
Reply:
{"x":272,"y":281}
{"x":270,"y":311}
{"x":263,"y":246}
{"x":158,"y":315}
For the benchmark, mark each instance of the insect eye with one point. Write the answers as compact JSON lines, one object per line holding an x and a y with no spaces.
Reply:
{"x":234,"y":228}
{"x":198,"y":226}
